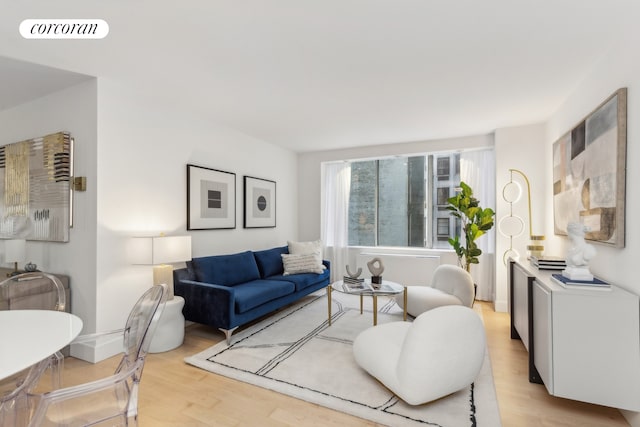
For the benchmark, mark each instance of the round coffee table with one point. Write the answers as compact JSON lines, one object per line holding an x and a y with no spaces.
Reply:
{"x":386,"y":288}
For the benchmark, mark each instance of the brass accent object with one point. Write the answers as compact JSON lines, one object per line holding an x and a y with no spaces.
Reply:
{"x":80,"y":183}
{"x":535,"y":248}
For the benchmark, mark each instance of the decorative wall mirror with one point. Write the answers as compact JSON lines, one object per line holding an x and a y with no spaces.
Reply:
{"x":35,"y":176}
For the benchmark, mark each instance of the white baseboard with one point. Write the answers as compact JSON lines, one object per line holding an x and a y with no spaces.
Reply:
{"x":501,"y":306}
{"x":633,"y":418}
{"x":95,"y":352}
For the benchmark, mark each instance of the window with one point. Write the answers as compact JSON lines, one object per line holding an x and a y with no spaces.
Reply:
{"x":443,"y":168}
{"x":401,"y":201}
{"x":443,"y":195}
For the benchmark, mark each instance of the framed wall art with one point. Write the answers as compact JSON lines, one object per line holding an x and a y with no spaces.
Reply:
{"x":36,"y":198}
{"x":259,"y":203}
{"x":211,"y":198}
{"x":589,"y":173}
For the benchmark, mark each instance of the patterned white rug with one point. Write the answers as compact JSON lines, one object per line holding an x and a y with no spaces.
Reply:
{"x":296,"y":352}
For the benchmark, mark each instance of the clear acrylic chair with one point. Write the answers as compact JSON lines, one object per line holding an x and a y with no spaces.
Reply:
{"x":112,"y":400}
{"x":20,"y":293}
{"x":14,"y":391}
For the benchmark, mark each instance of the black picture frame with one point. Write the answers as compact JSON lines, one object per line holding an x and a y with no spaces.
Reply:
{"x":259,"y":203}
{"x":211,"y":198}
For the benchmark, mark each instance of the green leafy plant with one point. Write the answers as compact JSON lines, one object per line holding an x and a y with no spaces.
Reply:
{"x":475,"y":222}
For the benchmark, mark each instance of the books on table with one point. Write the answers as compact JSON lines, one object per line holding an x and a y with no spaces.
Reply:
{"x":356,"y":286}
{"x":595,"y":284}
{"x":548,"y":262}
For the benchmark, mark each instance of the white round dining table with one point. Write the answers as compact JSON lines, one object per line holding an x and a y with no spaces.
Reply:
{"x":29,"y":336}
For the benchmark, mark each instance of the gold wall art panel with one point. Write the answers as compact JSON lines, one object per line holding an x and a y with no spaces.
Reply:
{"x":35,"y":181}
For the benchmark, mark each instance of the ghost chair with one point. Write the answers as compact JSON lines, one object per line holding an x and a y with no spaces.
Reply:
{"x":29,"y":291}
{"x":14,"y":390}
{"x":450,"y":285}
{"x":112,"y":400}
{"x":437,"y":354}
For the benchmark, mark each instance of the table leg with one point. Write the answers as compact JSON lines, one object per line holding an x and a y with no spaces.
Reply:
{"x":329,"y":302}
{"x":405,"y":305}
{"x":375,"y":310}
{"x":361,"y":303}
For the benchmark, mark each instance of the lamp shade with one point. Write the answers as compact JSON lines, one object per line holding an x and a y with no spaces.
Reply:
{"x":15,"y":250}
{"x":160,"y":250}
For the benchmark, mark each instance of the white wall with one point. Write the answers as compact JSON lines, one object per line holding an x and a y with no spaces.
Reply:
{"x":522,"y":148}
{"x":619,"y":68}
{"x":143,"y":149}
{"x":73,"y":110}
{"x":134,"y":152}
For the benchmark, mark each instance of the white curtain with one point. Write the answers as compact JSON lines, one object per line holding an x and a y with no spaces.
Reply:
{"x":335,"y":216}
{"x":477,"y":169}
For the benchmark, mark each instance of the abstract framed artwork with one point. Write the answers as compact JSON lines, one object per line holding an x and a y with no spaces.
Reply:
{"x":259,"y":203}
{"x":36,"y":194}
{"x":211,"y":198}
{"x":589,"y":173}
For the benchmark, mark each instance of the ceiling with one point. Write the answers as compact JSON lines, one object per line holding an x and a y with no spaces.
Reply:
{"x":312,"y":75}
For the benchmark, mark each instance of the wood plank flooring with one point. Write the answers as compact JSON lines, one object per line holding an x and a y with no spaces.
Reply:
{"x":175,"y":394}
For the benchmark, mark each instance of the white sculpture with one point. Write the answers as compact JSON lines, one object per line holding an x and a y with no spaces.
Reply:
{"x":579,"y":254}
{"x":356,"y":274}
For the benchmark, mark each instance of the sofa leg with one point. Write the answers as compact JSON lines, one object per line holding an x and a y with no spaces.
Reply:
{"x":227,"y":334}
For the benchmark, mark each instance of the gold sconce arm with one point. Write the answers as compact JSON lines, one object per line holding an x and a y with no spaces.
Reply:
{"x":80,"y":183}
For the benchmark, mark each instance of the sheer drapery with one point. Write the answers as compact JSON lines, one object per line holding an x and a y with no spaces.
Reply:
{"x":335,"y":216}
{"x":477,"y":169}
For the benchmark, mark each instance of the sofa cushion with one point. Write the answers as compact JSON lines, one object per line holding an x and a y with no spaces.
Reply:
{"x":227,"y":270}
{"x":269,"y":261}
{"x":257,"y":292}
{"x":302,"y":281}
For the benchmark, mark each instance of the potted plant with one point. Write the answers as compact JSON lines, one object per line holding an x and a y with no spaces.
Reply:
{"x":475,"y":220}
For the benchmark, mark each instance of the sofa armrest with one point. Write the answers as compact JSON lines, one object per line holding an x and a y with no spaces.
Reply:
{"x":207,"y":303}
{"x":327,"y":264}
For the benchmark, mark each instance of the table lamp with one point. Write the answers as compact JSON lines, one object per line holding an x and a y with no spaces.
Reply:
{"x":15,"y":251}
{"x":160,"y":251}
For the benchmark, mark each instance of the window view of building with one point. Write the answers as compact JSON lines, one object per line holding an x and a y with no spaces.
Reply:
{"x":444,"y":186}
{"x":400,"y":201}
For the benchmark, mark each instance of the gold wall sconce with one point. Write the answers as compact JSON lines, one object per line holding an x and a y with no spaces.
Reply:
{"x":79,"y":183}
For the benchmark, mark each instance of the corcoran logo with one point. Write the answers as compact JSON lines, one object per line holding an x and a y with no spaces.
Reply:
{"x":64,"y":29}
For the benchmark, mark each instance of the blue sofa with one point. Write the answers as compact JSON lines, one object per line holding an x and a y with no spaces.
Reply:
{"x":227,"y":291}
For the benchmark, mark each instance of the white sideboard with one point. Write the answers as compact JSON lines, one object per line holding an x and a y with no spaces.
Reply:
{"x":583,"y":344}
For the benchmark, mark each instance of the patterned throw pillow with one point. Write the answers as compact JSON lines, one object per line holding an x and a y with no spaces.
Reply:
{"x":303,"y":248}
{"x":300,"y":263}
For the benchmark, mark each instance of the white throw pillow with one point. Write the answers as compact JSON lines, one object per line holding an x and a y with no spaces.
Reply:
{"x":304,"y":248}
{"x":300,"y":263}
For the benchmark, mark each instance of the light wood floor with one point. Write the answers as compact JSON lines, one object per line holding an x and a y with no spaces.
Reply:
{"x":175,"y":394}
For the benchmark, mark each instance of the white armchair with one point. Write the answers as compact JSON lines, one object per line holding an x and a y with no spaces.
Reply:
{"x":450,"y":285}
{"x":437,"y":354}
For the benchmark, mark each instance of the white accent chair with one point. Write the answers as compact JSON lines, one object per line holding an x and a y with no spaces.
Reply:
{"x":450,"y":285}
{"x":437,"y":354}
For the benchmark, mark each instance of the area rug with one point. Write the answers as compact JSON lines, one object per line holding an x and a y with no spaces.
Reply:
{"x":297,"y":353}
